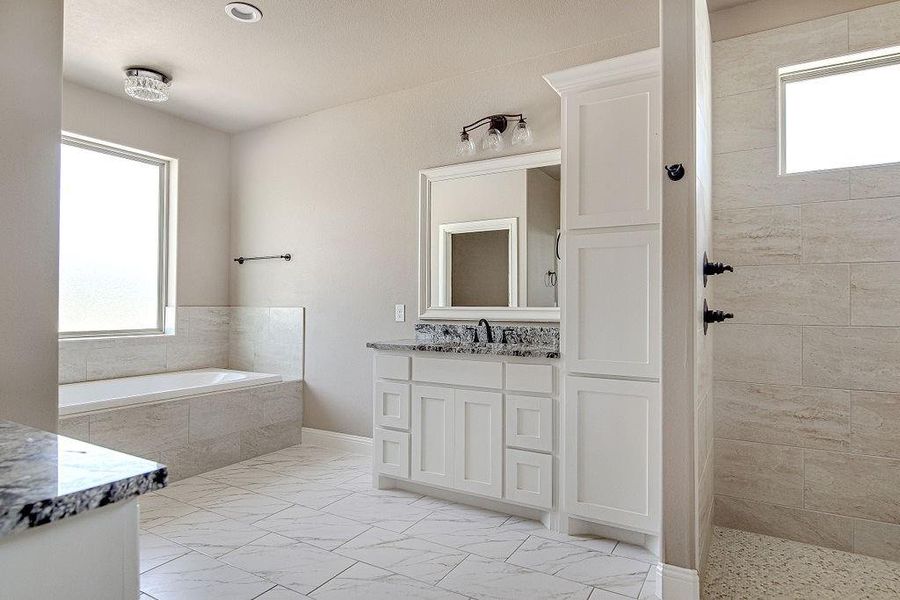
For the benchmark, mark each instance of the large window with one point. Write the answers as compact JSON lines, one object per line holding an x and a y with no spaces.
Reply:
{"x":841,"y":113}
{"x":112,"y":247}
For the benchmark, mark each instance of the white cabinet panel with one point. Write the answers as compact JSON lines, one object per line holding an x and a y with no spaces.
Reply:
{"x":521,"y":377}
{"x":613,"y":155}
{"x":432,"y":435}
{"x":612,"y":303}
{"x":612,"y":430}
{"x":391,"y":404}
{"x":478,"y":442}
{"x":529,"y":423}
{"x":529,"y":478}
{"x":391,"y":452}
{"x":391,"y":366}
{"x":477,"y":373}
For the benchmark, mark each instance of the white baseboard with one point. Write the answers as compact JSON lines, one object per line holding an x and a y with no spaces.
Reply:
{"x":338,"y":441}
{"x":677,"y":583}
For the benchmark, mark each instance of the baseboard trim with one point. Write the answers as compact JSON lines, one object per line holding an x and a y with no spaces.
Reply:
{"x":677,"y":583}
{"x":336,"y":440}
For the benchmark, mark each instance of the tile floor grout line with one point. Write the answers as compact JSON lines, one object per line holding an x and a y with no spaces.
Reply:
{"x":355,"y":562}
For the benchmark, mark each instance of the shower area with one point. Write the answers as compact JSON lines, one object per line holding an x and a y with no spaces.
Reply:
{"x":806,"y":376}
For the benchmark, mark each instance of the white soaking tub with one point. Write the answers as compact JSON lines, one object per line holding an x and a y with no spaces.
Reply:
{"x":77,"y":398}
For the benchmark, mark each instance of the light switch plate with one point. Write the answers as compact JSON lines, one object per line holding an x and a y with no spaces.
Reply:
{"x":400,"y":313}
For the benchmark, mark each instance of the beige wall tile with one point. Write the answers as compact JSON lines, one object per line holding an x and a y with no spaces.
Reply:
{"x":757,"y":236}
{"x":851,"y":231}
{"x":126,"y":358}
{"x":279,"y":402}
{"x":745,"y":121}
{"x":751,"y":62}
{"x":142,"y":429}
{"x":875,"y":182}
{"x":256,"y":442}
{"x":184,"y":356}
{"x":209,"y":324}
{"x":875,"y":294}
{"x":762,"y":472}
{"x":796,"y":524}
{"x":200,"y":457}
{"x":786,"y":294}
{"x":875,"y":424}
{"x":705,"y":430}
{"x":749,"y":179}
{"x":778,"y":414}
{"x":218,"y":414}
{"x":881,"y":540}
{"x":757,"y":353}
{"x":854,"y":486}
{"x":75,"y":427}
{"x":860,"y":358}
{"x":72,"y":362}
{"x":875,"y":27}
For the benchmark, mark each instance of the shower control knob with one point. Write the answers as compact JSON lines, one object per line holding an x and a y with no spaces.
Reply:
{"x":713,"y":268}
{"x":713,"y":316}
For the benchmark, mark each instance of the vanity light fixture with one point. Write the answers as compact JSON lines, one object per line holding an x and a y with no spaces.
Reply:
{"x":146,"y":84}
{"x":493,"y":139}
{"x":243,"y":12}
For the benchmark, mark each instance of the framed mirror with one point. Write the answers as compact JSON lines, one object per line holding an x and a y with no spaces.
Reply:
{"x":488,"y":239}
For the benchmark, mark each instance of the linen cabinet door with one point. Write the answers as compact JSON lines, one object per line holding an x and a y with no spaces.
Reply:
{"x":613,"y":434}
{"x":478,"y":443}
{"x":612,"y":307}
{"x":432,"y":435}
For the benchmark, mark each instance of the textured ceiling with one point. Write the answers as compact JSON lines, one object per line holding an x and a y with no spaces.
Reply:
{"x":307,"y":55}
{"x":715,"y":5}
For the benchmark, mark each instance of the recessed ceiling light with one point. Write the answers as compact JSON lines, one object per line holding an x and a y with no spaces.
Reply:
{"x":243,"y":12}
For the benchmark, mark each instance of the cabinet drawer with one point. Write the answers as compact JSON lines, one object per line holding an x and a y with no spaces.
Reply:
{"x":390,"y":366}
{"x":529,"y":423}
{"x":391,"y":452}
{"x":475,"y":373}
{"x":391,"y":404}
{"x":529,"y":378}
{"x":529,"y":478}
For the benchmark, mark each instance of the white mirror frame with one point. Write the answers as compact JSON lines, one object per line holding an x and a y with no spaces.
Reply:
{"x":445,"y":255}
{"x":482,"y":167}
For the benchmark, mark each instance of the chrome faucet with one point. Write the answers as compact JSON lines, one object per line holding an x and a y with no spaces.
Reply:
{"x":487,"y":326}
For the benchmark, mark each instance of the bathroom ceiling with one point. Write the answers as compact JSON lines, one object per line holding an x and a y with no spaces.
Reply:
{"x":307,"y":55}
{"x":715,"y":5}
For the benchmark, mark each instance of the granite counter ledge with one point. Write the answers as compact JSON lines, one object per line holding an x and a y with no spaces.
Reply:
{"x":522,"y":350}
{"x":46,"y":477}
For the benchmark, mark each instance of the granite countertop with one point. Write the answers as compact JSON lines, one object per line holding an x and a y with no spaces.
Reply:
{"x":459,"y":347}
{"x":46,"y":477}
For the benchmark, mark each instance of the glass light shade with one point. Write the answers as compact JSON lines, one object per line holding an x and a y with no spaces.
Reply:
{"x":493,"y":140}
{"x":522,"y":134}
{"x":146,"y":85}
{"x":465,"y":147}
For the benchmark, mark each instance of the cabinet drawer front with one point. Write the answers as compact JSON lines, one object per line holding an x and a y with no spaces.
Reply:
{"x":392,"y":404}
{"x":529,"y":423}
{"x":391,"y":366}
{"x":391,"y":452}
{"x":475,"y":373}
{"x":529,"y":378}
{"x":529,"y":478}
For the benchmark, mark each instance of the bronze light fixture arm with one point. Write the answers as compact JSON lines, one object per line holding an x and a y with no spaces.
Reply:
{"x":498,"y":122}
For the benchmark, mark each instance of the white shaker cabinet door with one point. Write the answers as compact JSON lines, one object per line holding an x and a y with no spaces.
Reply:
{"x":478,"y":443}
{"x":432,"y":435}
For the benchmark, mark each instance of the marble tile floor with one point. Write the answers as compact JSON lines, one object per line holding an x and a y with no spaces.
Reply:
{"x":749,"y":566}
{"x":304,"y":522}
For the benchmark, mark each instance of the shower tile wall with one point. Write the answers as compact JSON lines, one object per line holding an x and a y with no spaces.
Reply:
{"x":266,"y":339}
{"x":807,"y":375}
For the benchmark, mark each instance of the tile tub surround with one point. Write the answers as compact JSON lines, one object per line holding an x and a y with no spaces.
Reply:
{"x":198,"y":433}
{"x":304,"y":522}
{"x":261,"y":339}
{"x":806,"y":399}
{"x":45,"y":477}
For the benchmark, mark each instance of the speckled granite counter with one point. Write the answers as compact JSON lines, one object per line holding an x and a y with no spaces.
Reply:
{"x":525,"y":350}
{"x":45,"y":477}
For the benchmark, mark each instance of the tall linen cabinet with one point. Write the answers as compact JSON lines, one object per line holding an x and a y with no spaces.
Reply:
{"x":610,"y":295}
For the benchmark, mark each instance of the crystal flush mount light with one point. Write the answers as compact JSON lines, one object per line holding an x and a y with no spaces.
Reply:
{"x":493,"y":139}
{"x":146,"y":84}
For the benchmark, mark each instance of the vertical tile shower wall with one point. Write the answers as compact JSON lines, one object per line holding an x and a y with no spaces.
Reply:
{"x":807,"y":375}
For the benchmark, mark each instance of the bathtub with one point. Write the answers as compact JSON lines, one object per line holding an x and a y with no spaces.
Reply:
{"x":78,"y":398}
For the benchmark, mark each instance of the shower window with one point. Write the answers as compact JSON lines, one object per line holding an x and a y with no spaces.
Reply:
{"x":113,"y":240}
{"x":840,"y":113}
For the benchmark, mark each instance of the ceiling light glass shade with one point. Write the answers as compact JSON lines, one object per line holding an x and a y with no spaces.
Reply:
{"x":147,"y":85}
{"x":493,"y":140}
{"x":465,"y":147}
{"x":522,"y":134}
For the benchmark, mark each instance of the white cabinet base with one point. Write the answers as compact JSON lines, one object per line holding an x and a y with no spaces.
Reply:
{"x":529,"y":478}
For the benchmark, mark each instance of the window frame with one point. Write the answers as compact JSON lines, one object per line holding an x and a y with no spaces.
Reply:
{"x":848,"y":63}
{"x":163,"y":286}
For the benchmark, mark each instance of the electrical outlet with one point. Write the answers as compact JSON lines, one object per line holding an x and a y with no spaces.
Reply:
{"x":400,"y":313}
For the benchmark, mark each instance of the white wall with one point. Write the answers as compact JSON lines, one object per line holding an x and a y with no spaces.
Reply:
{"x":202,"y":202}
{"x":30,"y":70}
{"x":338,"y":189}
